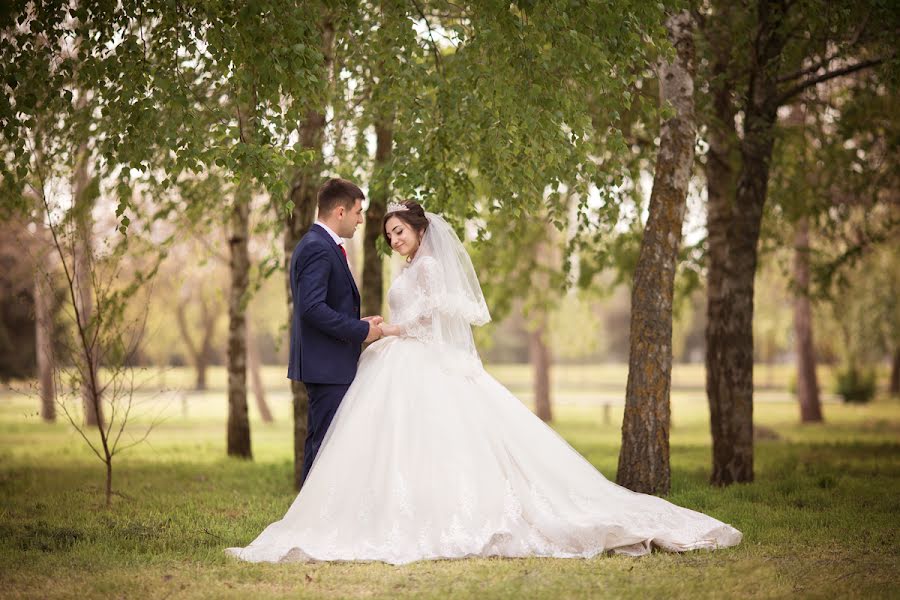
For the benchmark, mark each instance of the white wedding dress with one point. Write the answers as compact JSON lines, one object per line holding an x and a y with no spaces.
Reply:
{"x":429,"y":457}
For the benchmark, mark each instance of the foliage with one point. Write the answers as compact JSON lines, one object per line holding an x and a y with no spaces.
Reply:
{"x":836,"y":134}
{"x":569,"y":319}
{"x":835,"y":156}
{"x":838,"y":167}
{"x":855,"y":385}
{"x":504,"y":116}
{"x":772,"y":310}
{"x":500,"y":108}
{"x":516,"y":125}
{"x":160,"y":90}
{"x":862,"y":316}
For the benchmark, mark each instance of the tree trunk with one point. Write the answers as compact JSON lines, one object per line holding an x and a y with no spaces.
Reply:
{"x":108,"y":480}
{"x":540,"y":364}
{"x":200,"y":367}
{"x":301,"y":412}
{"x":807,"y":383}
{"x":253,"y":363}
{"x":304,"y":187}
{"x":372,"y":279}
{"x":895,"y":373}
{"x":730,"y":376}
{"x":303,"y":195}
{"x":644,"y":457}
{"x":238,"y":418}
{"x":44,"y":345}
{"x":199,"y":355}
{"x":720,"y":182}
{"x":546,"y":259}
{"x":209,"y":317}
{"x":83,"y":206}
{"x":730,"y":364}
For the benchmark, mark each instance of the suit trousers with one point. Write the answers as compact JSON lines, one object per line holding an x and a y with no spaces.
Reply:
{"x":324,"y":399}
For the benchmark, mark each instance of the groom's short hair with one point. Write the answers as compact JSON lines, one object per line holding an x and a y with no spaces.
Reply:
{"x":338,"y":192}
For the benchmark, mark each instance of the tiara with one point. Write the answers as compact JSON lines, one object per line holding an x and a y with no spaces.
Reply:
{"x":396,"y":207}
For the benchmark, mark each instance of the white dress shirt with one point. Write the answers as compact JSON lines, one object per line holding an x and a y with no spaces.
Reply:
{"x":337,"y":239}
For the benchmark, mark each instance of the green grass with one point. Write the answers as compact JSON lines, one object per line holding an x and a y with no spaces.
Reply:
{"x":819,"y":521}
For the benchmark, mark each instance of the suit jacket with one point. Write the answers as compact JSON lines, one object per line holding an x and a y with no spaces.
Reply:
{"x":326,"y":330}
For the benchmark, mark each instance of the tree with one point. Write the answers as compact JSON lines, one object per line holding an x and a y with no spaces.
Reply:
{"x":830,"y":160}
{"x":85,"y":191}
{"x":490,"y":131}
{"x":807,"y":381}
{"x":389,"y":61}
{"x":45,"y":308}
{"x":46,"y":357}
{"x":18,"y":300}
{"x":644,"y":457}
{"x":494,"y":139}
{"x":239,"y":265}
{"x":796,"y":47}
{"x":539,"y":354}
{"x":537,"y":323}
{"x":794,"y":187}
{"x":509,"y":106}
{"x":304,"y":185}
{"x":373,"y":265}
{"x":200,"y":350}
{"x":104,"y":337}
{"x":29,"y":309}
{"x":188,"y":90}
{"x":254,"y":365}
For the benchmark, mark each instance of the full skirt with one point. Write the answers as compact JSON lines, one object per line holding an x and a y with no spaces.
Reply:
{"x":429,"y":457}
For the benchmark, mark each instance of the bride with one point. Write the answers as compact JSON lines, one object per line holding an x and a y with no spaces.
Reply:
{"x":429,"y":457}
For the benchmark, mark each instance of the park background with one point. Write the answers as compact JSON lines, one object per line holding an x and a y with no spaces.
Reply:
{"x":684,"y":216}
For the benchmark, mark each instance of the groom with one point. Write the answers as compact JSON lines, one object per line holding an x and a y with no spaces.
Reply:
{"x":326,"y":331}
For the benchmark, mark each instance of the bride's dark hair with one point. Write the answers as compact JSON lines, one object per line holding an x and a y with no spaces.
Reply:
{"x":414,"y":216}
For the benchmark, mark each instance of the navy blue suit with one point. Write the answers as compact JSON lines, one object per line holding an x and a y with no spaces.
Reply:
{"x":326,"y":331}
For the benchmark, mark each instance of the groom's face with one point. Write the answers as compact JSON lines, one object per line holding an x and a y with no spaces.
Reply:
{"x":349,"y":220}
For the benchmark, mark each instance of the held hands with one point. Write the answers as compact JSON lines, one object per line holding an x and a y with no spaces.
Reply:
{"x":374,"y":328}
{"x":387,"y":330}
{"x":378,"y":328}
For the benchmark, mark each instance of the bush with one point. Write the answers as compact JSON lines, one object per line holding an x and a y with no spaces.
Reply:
{"x":792,"y":383}
{"x":856,"y":385}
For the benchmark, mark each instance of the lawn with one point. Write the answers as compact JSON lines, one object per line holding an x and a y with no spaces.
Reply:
{"x":821,"y":519}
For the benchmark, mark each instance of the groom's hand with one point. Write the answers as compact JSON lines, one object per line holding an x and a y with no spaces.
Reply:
{"x":377,"y":319}
{"x":374,"y":331}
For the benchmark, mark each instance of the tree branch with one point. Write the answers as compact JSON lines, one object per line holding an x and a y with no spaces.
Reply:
{"x":434,"y":48}
{"x":815,"y":67}
{"x":793,"y":91}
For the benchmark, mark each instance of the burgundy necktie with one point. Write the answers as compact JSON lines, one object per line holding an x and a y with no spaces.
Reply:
{"x":344,"y":252}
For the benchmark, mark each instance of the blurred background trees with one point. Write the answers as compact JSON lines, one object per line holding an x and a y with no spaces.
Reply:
{"x":535,"y":128}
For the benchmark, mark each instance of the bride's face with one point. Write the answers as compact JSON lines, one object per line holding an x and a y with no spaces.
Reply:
{"x":403,"y":238}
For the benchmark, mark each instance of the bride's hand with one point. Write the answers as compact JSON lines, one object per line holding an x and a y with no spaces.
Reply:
{"x":387,"y":329}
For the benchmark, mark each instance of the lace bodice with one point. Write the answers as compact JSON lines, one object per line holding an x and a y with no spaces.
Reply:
{"x":414,"y":297}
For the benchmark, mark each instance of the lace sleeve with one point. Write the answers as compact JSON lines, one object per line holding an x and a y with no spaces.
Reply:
{"x":419,"y":321}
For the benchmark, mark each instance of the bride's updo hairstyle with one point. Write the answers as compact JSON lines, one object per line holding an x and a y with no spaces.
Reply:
{"x":414,"y":216}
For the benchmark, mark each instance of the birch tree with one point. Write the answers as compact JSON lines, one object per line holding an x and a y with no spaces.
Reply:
{"x":644,"y":457}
